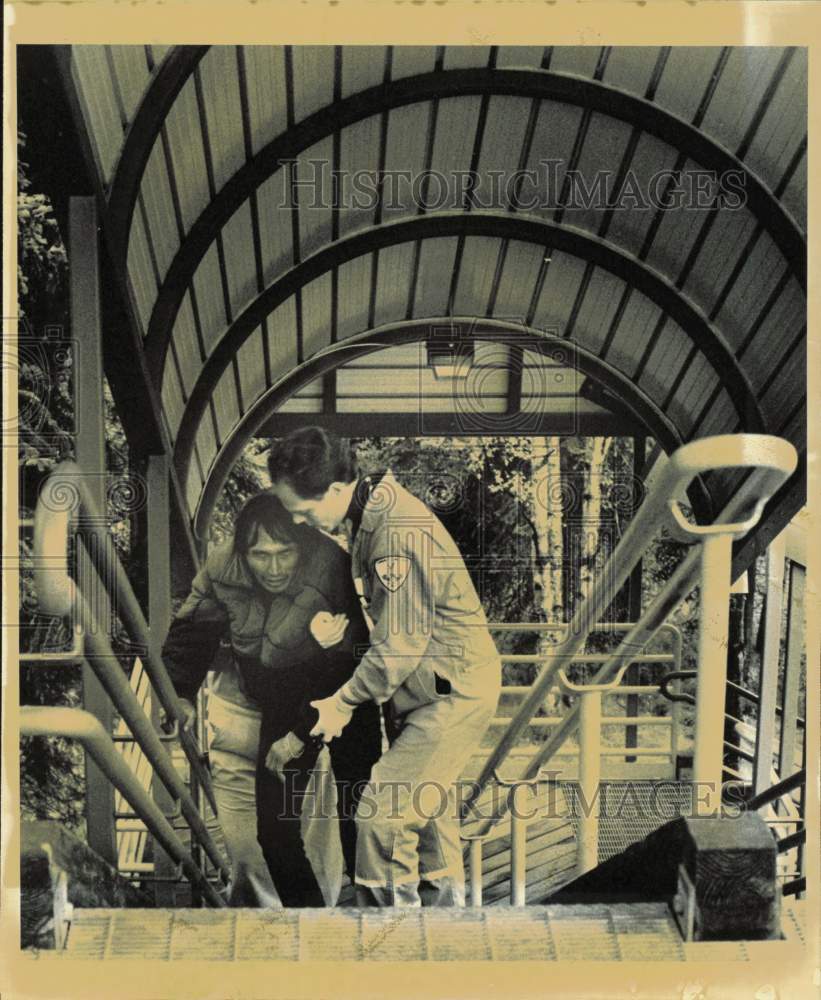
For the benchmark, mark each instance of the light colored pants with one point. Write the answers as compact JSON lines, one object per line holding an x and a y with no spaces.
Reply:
{"x":234,"y":743}
{"x":407,"y":822}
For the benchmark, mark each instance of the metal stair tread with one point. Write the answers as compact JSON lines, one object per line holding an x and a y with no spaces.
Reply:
{"x":560,"y":932}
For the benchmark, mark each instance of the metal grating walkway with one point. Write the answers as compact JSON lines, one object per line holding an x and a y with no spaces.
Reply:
{"x":617,"y":932}
{"x":631,"y":810}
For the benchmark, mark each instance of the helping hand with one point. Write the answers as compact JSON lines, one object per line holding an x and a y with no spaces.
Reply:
{"x":334,"y":715}
{"x":281,"y":752}
{"x":328,"y":629}
{"x":188,"y":715}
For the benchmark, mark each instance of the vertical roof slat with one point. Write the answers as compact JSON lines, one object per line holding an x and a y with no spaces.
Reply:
{"x":132,"y":73}
{"x":140,"y":272}
{"x":265,"y":68}
{"x":99,"y":104}
{"x":220,"y":86}
{"x":210,"y":303}
{"x":355,"y":278}
{"x":316,"y":315}
{"x":436,"y":258}
{"x":185,"y":140}
{"x":315,"y":198}
{"x":394,"y":285}
{"x":239,"y":258}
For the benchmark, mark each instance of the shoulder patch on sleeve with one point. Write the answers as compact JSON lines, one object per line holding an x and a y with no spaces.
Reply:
{"x":392,"y":571}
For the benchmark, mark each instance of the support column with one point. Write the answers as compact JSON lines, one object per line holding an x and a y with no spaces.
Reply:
{"x":589,"y":779}
{"x":87,"y":333}
{"x":634,"y":591}
{"x":159,"y":618}
{"x":768,"y":676}
{"x":792,"y":671}
{"x":708,"y":759}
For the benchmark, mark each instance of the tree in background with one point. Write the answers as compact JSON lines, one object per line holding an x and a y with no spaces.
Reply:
{"x":51,"y":769}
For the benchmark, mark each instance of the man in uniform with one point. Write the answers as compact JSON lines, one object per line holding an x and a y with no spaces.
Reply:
{"x":431,"y":659}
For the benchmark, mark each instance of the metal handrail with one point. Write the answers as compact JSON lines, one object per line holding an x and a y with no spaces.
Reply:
{"x":67,"y":483}
{"x":752,"y":697}
{"x":772,"y":460}
{"x":82,"y":726}
{"x":776,"y":791}
{"x":59,"y":595}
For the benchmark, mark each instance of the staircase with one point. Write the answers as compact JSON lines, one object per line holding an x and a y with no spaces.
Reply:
{"x":628,"y":932}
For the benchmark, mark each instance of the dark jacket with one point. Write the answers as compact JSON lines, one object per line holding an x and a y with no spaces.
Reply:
{"x":280,"y":664}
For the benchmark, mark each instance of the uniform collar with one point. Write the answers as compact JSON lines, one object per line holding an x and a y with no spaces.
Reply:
{"x":358,"y":507}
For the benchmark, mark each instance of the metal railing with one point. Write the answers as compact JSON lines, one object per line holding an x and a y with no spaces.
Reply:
{"x":590,"y":733}
{"x":64,"y":505}
{"x":671,"y":659}
{"x":77,"y":724}
{"x":771,"y":461}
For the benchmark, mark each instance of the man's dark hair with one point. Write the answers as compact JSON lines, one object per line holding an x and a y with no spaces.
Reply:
{"x":310,"y":459}
{"x":265,"y":511}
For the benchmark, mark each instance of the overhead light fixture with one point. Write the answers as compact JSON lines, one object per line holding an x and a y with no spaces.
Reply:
{"x":450,"y":358}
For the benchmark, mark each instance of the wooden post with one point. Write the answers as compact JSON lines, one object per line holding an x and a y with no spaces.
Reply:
{"x":86,"y":331}
{"x":731,"y":887}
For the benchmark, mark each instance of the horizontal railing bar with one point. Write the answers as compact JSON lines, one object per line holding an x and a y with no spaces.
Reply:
{"x":792,"y":840}
{"x":564,"y":626}
{"x":741,"y":753}
{"x":645,"y":658}
{"x":793,"y":888}
{"x":753,"y":697}
{"x":520,"y":690}
{"x":607,"y":720}
{"x":68,"y":657}
{"x":77,"y":724}
{"x":776,"y":791}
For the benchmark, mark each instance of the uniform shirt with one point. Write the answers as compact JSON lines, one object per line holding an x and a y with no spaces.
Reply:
{"x":429,"y":633}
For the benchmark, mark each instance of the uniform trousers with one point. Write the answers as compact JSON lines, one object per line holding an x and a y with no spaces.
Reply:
{"x":407,"y":819}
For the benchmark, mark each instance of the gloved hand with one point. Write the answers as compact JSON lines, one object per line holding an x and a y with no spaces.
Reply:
{"x":328,"y":629}
{"x":281,"y":752}
{"x":334,"y":715}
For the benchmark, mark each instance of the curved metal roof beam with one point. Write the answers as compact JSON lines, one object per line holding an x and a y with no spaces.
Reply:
{"x":545,"y":85}
{"x":390,"y":335}
{"x":167,"y":80}
{"x":510,"y":227}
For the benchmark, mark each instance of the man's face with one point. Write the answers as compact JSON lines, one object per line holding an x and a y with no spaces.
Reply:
{"x":272,"y":563}
{"x":324,"y":512}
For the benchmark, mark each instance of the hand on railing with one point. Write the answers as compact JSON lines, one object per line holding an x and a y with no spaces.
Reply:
{"x":188,"y":715}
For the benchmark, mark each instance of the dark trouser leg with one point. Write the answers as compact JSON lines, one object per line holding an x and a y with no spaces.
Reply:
{"x":278,"y":829}
{"x":353,"y":754}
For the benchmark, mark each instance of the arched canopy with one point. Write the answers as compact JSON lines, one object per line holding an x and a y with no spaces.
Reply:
{"x":272,"y":211}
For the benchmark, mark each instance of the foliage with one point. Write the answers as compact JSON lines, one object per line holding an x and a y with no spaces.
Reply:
{"x":41,"y":255}
{"x":51,"y":769}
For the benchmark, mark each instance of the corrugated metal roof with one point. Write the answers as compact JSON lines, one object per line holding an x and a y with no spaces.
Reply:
{"x":229,"y":233}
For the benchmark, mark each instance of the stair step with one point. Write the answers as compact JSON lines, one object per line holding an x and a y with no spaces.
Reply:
{"x":569,"y":932}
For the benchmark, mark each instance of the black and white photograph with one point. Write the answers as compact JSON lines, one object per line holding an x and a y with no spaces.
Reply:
{"x":409,"y":529}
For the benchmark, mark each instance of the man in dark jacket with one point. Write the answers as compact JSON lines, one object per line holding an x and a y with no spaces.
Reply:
{"x":284,"y":595}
